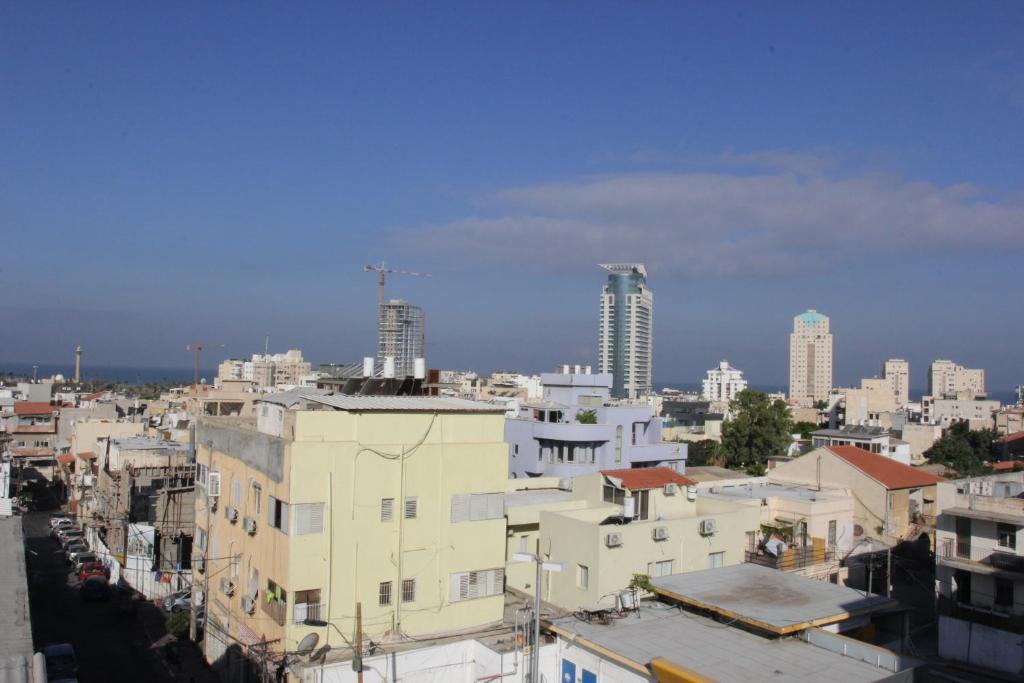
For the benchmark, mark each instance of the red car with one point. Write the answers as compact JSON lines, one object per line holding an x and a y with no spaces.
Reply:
{"x":93,"y":569}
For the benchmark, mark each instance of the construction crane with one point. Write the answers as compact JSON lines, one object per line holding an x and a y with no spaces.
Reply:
{"x":381,"y":269}
{"x":198,"y":349}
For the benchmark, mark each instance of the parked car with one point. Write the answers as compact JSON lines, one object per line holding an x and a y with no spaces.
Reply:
{"x":176,"y":602}
{"x":70,"y":537}
{"x":56,"y":520}
{"x":95,"y":588}
{"x":76,"y":546}
{"x":60,"y":661}
{"x":64,"y":532}
{"x":93,"y":569}
{"x":73,"y":553}
{"x":55,"y":531}
{"x":84,"y":558}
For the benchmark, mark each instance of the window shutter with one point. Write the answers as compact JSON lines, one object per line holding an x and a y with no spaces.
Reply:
{"x":214,"y":487}
{"x":410,"y":508}
{"x":284,"y":517}
{"x":387,"y":509}
{"x":236,"y":493}
{"x":309,"y":518}
{"x":316,"y":518}
{"x":271,"y":506}
{"x":495,"y":506}
{"x":460,"y":507}
{"x":477,"y":508}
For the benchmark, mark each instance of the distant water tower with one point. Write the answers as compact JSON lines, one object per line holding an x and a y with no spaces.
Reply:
{"x":78,"y":364}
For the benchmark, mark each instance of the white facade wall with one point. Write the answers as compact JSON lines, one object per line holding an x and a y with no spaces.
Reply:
{"x":723,"y":383}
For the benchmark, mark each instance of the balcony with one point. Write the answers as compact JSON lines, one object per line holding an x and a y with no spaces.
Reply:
{"x":273,"y":608}
{"x":793,"y":558}
{"x":995,"y":616}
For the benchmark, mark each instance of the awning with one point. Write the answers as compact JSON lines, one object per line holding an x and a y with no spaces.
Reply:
{"x":65,"y":459}
{"x":87,"y":455}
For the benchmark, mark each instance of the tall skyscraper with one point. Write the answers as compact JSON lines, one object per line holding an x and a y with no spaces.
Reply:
{"x":946,"y":378}
{"x":627,"y":326}
{"x":400,"y":335}
{"x":896,"y":373}
{"x":810,"y":358}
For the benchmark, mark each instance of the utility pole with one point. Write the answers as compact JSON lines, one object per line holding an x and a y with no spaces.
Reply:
{"x":357,"y":656}
{"x":193,"y":627}
{"x":888,"y":573}
{"x":535,"y":663}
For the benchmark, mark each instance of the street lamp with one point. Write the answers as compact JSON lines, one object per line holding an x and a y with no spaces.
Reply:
{"x":542,"y":566}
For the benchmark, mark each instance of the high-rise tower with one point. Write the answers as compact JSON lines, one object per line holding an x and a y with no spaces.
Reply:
{"x":627,"y":326}
{"x":78,"y":364}
{"x":810,"y":358}
{"x":400,"y":335}
{"x":896,"y":373}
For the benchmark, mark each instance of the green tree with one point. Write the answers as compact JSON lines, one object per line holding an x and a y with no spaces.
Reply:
{"x":706,"y":452}
{"x":964,"y":450}
{"x":804,"y":429}
{"x":758,"y":428}
{"x":587,"y":417}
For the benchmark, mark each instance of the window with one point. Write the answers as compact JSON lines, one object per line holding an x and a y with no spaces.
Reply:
{"x":524,"y":543}
{"x":716,"y":560}
{"x":478,"y":584}
{"x":276,"y":593}
{"x":515,"y":449}
{"x":384,"y":594}
{"x":202,"y":473}
{"x":614,"y":495}
{"x":1004,"y":593}
{"x":387,"y":509}
{"x":582,"y":576}
{"x":257,"y":492}
{"x":831,"y":533}
{"x":475,"y":507}
{"x":409,"y":590}
{"x":309,"y":518}
{"x":201,"y":537}
{"x":660,"y":568}
{"x":1007,"y":535}
{"x":410,"y":508}
{"x":277,"y":514}
{"x":236,"y":493}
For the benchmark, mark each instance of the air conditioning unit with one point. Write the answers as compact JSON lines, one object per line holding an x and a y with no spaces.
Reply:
{"x":613,"y":540}
{"x":708,"y":527}
{"x":250,"y":525}
{"x":227,"y":586}
{"x":660,"y":533}
{"x":691,"y":493}
{"x":248,"y":604}
{"x":671,"y":489}
{"x":232,"y":514}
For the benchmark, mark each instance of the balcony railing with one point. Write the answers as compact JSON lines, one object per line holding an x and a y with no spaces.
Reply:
{"x":275,"y":609}
{"x":307,"y":611}
{"x":963,"y":549}
{"x":793,"y":558}
{"x":995,"y":616}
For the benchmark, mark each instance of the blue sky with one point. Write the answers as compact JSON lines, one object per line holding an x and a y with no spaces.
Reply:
{"x":222,"y":172}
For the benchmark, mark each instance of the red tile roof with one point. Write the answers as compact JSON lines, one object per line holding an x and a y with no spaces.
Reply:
{"x":886,"y":471}
{"x":641,"y":478}
{"x":1006,"y":465}
{"x":32,"y":408}
{"x":1010,"y":438}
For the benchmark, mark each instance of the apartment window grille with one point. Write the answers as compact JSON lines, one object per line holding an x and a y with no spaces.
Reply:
{"x":409,"y":590}
{"x":387,"y":509}
{"x":384,"y":594}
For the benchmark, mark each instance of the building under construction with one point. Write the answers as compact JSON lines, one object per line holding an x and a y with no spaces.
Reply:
{"x":400,"y":335}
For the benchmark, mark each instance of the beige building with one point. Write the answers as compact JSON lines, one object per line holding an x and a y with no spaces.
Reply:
{"x":865,"y":406}
{"x":325,"y":502}
{"x":896,"y":373}
{"x":946,"y":378}
{"x":810,"y":358}
{"x":894,"y":502}
{"x":615,"y":524}
{"x":978,"y":413}
{"x":1010,"y":420}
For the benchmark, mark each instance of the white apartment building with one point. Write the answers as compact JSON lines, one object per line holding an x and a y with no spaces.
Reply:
{"x":626,"y":330}
{"x":979,"y":571}
{"x":896,"y":373}
{"x":946,"y":378}
{"x":266,"y":370}
{"x":810,"y":358}
{"x":723,"y":383}
{"x":979,"y":413}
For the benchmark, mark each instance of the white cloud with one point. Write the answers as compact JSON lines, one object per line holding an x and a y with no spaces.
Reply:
{"x":712,"y":224}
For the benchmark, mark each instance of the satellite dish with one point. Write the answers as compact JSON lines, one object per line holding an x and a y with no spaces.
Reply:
{"x":307,"y":644}
{"x":320,"y":654}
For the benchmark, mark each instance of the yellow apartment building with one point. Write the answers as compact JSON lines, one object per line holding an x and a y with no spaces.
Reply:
{"x":617,"y":523}
{"x":322,"y":502}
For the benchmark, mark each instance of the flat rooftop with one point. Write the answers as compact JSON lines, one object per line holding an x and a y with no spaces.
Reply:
{"x":714,"y":650}
{"x":700,"y":473}
{"x":15,"y":624}
{"x":768,"y":599}
{"x":145,"y":443}
{"x":398,"y":404}
{"x":536,"y":497}
{"x":765,"y":489}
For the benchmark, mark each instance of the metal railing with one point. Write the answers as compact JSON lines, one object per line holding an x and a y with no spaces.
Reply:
{"x":792,"y":558}
{"x":304,"y":611}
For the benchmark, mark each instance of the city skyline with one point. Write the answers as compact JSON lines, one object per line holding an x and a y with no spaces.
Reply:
{"x":204,"y":181}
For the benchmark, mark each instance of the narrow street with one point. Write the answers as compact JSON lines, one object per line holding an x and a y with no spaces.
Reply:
{"x":110,"y":646}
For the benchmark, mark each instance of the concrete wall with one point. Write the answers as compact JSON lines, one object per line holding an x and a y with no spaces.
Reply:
{"x":981,"y":645}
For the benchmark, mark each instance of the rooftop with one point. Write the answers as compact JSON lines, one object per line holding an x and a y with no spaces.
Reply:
{"x":147,"y":443}
{"x":754,"y":490}
{"x":638,"y":479}
{"x":396,"y":404}
{"x":536,"y":497}
{"x":33,"y":408}
{"x":853,"y":431}
{"x":1007,"y":516}
{"x":702,"y":473}
{"x":713,"y":650}
{"x":767,"y":599}
{"x":15,"y":624}
{"x":886,"y":471}
{"x":811,"y":316}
